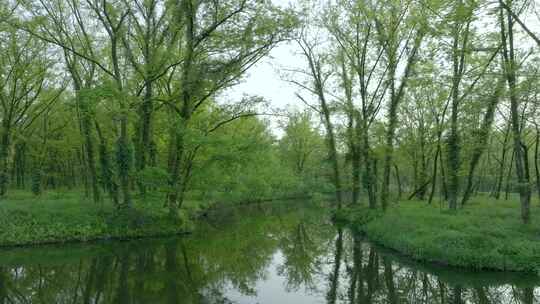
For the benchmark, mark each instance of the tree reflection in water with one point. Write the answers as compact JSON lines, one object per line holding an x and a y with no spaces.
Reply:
{"x":267,"y":254}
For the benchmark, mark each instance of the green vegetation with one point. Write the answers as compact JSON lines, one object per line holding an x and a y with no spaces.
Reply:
{"x":63,"y":217}
{"x":485,"y":235}
{"x":234,"y":256}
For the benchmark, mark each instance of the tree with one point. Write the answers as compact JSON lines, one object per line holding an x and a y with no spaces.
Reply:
{"x":351,"y":25}
{"x":149,"y":49}
{"x":520,"y":155}
{"x":252,"y":30}
{"x":481,"y":137}
{"x":460,"y":42}
{"x":66,"y":27}
{"x":301,"y":144}
{"x":318,"y":78}
{"x":390,"y":40}
{"x":23,"y":72}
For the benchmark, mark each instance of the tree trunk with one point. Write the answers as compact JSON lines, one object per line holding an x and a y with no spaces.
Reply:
{"x":351,"y":130}
{"x":84,"y":176}
{"x":123,"y":159}
{"x":319,"y":90}
{"x":509,"y":175}
{"x":356,"y":175}
{"x":481,"y":141}
{"x":536,"y":161}
{"x":4,"y":151}
{"x":423,"y":164}
{"x":395,"y":98}
{"x":520,"y":154}
{"x":375,"y":175}
{"x":106,"y":170}
{"x":176,"y":152}
{"x":86,"y":128}
{"x":144,"y":150}
{"x":389,"y":151}
{"x":438,"y":156}
{"x":434,"y":175}
{"x":444,"y":186}
{"x":20,"y":165}
{"x":398,"y":180}
{"x":453,"y":140}
{"x":500,"y":176}
{"x":332,"y":151}
{"x":368,"y":177}
{"x":458,"y":61}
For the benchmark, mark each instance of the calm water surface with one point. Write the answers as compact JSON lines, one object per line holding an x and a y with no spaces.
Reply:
{"x":275,"y":253}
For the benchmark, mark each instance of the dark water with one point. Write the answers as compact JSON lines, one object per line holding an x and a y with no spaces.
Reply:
{"x":278,"y":253}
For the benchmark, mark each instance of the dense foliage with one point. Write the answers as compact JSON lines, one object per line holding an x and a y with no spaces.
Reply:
{"x":121,"y":98}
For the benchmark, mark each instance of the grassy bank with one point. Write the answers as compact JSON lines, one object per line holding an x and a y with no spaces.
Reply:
{"x":57,"y":217}
{"x":486,"y":234}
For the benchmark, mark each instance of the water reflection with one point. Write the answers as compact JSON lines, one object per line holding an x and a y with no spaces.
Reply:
{"x":265,"y":254}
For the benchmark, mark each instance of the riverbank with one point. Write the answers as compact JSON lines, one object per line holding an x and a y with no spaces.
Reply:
{"x":485,"y":235}
{"x":57,"y":217}
{"x":283,"y":252}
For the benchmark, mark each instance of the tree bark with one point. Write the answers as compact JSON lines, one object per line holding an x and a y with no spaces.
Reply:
{"x":123,"y":159}
{"x":86,"y":127}
{"x":520,"y":154}
{"x":434,"y":175}
{"x":536,"y":160}
{"x":454,"y":162}
{"x":318,"y":83}
{"x":106,"y":170}
{"x":398,"y":180}
{"x":369,"y":178}
{"x":4,"y":151}
{"x":20,"y":165}
{"x":144,"y":151}
{"x":509,"y":175}
{"x":332,"y":151}
{"x":481,"y":141}
{"x":395,"y":98}
{"x":176,"y":154}
{"x":351,"y":130}
{"x":500,"y":176}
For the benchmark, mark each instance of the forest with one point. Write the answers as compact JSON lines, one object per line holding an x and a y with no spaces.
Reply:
{"x":415,"y":122}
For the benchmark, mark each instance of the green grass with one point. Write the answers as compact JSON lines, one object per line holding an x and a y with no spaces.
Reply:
{"x":486,"y":234}
{"x":57,"y":217}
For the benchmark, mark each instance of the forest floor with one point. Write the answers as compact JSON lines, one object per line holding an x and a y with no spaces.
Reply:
{"x":486,"y":234}
{"x":57,"y":217}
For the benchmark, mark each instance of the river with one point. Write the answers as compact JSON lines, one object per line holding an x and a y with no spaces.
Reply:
{"x":285,"y":252}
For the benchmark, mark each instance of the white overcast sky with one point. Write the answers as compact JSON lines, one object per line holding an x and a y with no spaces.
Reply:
{"x":265,"y":78}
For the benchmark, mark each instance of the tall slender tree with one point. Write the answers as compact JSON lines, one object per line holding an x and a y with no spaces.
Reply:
{"x":520,"y":155}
